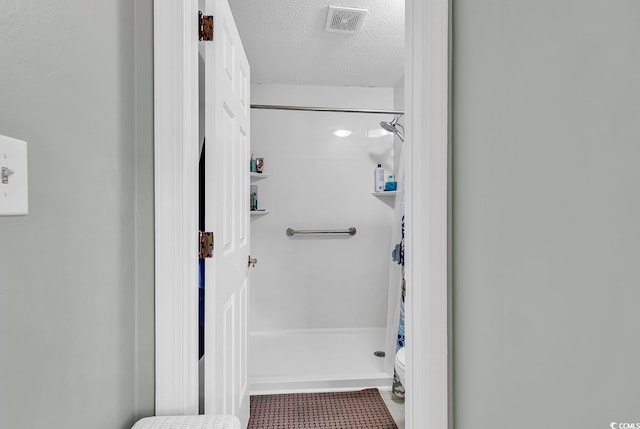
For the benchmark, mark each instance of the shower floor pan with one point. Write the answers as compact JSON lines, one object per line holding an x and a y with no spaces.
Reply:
{"x":316,"y":360}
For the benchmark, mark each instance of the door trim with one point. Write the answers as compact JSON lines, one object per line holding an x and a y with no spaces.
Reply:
{"x":428,"y":258}
{"x":176,"y":205}
{"x":427,"y":95}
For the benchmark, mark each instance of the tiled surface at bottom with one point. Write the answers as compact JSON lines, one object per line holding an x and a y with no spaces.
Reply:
{"x":396,"y":409}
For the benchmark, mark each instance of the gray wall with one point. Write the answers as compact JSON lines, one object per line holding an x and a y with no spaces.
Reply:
{"x":144,"y":217}
{"x":76,"y":280}
{"x":546,"y":222}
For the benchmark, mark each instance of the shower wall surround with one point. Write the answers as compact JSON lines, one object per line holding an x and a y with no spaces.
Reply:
{"x":319,"y":180}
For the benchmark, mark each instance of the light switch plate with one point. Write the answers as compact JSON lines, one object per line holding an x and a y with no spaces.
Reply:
{"x":14,"y":198}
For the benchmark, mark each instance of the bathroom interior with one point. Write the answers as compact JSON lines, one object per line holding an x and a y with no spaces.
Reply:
{"x":323,"y":305}
{"x":325,"y":299}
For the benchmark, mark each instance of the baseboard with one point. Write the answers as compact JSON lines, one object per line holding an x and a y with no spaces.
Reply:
{"x":279,"y":385}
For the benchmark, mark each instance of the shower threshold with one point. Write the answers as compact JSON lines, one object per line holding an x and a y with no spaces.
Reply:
{"x":316,"y":360}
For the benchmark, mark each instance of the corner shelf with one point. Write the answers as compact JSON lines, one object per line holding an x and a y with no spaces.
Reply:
{"x":258,"y":176}
{"x":384,"y":193}
{"x":259,"y":212}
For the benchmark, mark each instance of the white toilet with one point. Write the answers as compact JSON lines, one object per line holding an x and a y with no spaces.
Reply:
{"x":400,"y":364}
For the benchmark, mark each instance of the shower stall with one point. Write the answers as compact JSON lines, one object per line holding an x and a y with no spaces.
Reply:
{"x":324,"y":296}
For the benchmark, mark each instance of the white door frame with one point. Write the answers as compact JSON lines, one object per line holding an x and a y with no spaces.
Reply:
{"x":176,"y":200}
{"x":176,"y":147}
{"x":427,"y":101}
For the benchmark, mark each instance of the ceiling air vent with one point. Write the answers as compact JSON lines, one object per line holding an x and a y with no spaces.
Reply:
{"x":345,"y":19}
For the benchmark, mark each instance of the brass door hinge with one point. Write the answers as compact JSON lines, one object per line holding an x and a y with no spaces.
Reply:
{"x":206,"y":245}
{"x":205,"y":26}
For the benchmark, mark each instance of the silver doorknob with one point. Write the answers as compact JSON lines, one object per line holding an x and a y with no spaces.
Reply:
{"x":252,"y":261}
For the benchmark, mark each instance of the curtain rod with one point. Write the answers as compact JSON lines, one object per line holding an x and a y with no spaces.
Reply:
{"x":326,"y":109}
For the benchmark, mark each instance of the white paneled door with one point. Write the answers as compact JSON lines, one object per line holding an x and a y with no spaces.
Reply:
{"x":227,"y":216}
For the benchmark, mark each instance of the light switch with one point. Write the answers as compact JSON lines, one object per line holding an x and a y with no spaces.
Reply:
{"x":14,"y":198}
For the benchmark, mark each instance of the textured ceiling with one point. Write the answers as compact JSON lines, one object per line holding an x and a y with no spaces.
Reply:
{"x":286,"y":42}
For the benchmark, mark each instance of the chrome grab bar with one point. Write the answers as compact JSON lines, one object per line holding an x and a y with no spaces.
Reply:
{"x":291,"y":232}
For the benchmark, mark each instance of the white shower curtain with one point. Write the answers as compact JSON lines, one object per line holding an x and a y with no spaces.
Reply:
{"x":395,"y":269}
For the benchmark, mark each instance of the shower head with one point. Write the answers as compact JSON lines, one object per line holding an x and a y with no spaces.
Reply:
{"x":394,"y":127}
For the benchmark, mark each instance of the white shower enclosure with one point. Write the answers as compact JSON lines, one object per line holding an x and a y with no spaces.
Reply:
{"x":319,"y":304}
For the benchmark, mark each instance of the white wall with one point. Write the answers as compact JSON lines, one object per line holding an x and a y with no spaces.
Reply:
{"x":546,"y":235}
{"x":320,"y":181}
{"x":76,"y":274}
{"x":398,"y":104}
{"x":398,"y":95}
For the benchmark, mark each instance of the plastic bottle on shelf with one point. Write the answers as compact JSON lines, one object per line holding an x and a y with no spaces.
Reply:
{"x":254,"y":198}
{"x":391,"y":184}
{"x":378,"y":179}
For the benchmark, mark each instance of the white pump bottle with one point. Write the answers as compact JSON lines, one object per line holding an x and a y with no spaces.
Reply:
{"x":378,"y":177}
